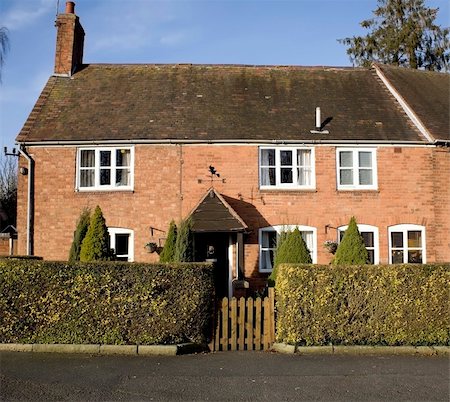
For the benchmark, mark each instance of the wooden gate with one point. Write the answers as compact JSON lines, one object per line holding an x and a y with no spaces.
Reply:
{"x":245,"y":324}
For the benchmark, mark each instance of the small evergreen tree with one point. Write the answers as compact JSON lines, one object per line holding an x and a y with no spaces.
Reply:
{"x":79,"y":234}
{"x":351,"y":249}
{"x":184,"y":247}
{"x":168,"y":252}
{"x":291,"y":249}
{"x":95,"y":245}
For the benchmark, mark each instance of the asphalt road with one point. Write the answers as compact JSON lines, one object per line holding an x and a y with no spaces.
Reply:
{"x":225,"y":376}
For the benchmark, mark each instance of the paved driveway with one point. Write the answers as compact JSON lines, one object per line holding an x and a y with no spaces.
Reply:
{"x":232,"y":376}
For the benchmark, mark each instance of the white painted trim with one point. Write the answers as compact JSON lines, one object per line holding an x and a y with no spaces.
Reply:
{"x":355,"y":168}
{"x":288,"y":186}
{"x":280,"y":228}
{"x":376,"y":238}
{"x":230,"y":265}
{"x":408,"y":110}
{"x":115,"y":230}
{"x":404,"y":228}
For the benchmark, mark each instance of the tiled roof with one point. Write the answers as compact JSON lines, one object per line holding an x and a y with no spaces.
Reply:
{"x":216,"y":102}
{"x":427,"y":93}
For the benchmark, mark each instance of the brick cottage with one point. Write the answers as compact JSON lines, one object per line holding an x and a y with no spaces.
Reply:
{"x":245,"y":150}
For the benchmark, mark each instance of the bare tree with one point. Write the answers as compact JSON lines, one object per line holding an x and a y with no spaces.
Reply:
{"x":8,"y":188}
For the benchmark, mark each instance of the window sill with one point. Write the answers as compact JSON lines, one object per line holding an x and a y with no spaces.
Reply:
{"x":357,"y":190}
{"x":104,"y":190}
{"x":287,"y":190}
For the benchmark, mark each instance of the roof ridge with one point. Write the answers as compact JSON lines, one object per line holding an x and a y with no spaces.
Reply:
{"x":230,"y":65}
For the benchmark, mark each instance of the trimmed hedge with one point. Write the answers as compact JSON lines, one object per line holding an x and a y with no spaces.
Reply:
{"x":363,"y":305}
{"x":105,"y":302}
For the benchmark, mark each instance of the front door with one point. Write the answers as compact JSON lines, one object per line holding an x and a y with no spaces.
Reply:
{"x":213,"y":247}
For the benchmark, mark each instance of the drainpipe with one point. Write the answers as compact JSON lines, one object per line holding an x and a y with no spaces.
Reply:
{"x":29,"y":203}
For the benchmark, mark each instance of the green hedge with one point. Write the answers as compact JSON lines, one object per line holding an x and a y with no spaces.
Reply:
{"x":363,"y":305}
{"x":104,"y":302}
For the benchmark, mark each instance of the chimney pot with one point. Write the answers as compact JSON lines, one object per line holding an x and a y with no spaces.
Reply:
{"x":70,"y":7}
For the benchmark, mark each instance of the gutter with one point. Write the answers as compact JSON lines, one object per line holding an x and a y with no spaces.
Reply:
{"x":71,"y":143}
{"x":29,"y":198}
{"x":444,"y":143}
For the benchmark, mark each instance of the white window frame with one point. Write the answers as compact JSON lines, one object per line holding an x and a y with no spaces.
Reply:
{"x":366,"y":228}
{"x":286,"y":228}
{"x":288,"y":186}
{"x":356,"y":168}
{"x":405,"y":228}
{"x":97,"y":167}
{"x":113,"y":231}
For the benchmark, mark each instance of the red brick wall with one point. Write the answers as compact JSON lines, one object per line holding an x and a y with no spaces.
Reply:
{"x":170,"y":180}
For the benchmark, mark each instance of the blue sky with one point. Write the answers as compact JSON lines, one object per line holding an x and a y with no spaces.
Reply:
{"x":275,"y":32}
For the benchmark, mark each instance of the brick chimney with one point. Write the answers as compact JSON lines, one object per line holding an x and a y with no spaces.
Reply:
{"x":69,"y":42}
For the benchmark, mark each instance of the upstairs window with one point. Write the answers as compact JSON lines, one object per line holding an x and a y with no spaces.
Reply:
{"x":370,"y":236}
{"x":105,"y":168}
{"x":287,"y":168}
{"x":268,"y":242}
{"x":356,"y":169}
{"x":407,"y":244}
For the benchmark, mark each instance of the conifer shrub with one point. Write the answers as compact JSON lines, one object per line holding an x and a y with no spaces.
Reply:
{"x":351,"y":250}
{"x":168,"y":252}
{"x":79,"y":234}
{"x":291,"y":249}
{"x":184,"y":245}
{"x":95,"y":245}
{"x":105,"y":302}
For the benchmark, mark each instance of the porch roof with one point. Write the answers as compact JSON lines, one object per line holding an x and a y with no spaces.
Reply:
{"x":214,"y":214}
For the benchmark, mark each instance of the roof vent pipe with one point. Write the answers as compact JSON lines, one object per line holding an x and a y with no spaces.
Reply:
{"x":318,"y":119}
{"x":319,"y":124}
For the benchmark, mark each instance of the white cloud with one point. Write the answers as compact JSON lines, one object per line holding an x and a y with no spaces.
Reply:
{"x":25,"y":13}
{"x":136,"y":24}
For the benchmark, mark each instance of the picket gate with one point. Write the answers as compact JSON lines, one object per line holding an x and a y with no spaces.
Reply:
{"x":245,"y":323}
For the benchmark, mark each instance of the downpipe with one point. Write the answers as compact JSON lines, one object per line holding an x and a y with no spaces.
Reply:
{"x":29,"y":197}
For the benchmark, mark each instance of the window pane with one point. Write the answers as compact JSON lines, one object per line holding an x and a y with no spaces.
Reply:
{"x":414,"y":238}
{"x":123,"y":177}
{"x":122,"y":244}
{"x":269,"y":239}
{"x":304,"y":177}
{"x":286,"y":158}
{"x":397,"y":239}
{"x":371,"y":255}
{"x":365,"y":159}
{"x":267,"y":259}
{"x":267,"y":176}
{"x":105,"y":177}
{"x":286,"y":175}
{"x":415,"y":256}
{"x":341,"y":235}
{"x":346,"y":159}
{"x":397,"y":257}
{"x":365,"y":177}
{"x":268,"y":157}
{"x":87,"y":178}
{"x":346,"y":176}
{"x":304,"y":157}
{"x":88,"y":158}
{"x":123,"y":157}
{"x":308,"y":238}
{"x":368,"y":238}
{"x":105,"y":158}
